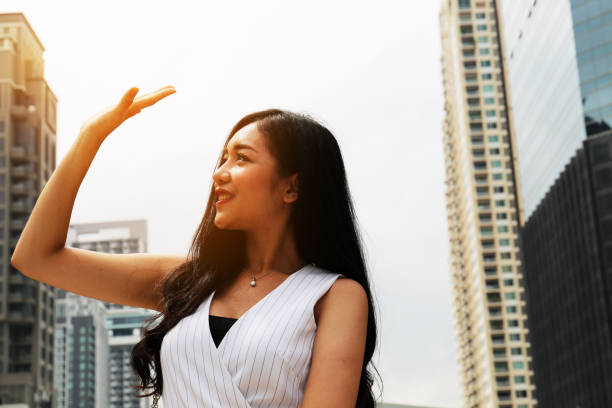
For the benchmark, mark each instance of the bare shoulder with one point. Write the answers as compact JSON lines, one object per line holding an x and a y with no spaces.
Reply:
{"x":345,"y":294}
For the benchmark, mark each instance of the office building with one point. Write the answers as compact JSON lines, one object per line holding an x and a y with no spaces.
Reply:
{"x":123,"y":323}
{"x":559,"y":59}
{"x":27,"y":159}
{"x":482,"y":210}
{"x":81,"y":352}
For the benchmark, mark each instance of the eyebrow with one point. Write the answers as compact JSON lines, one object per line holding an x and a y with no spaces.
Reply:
{"x":239,"y":146}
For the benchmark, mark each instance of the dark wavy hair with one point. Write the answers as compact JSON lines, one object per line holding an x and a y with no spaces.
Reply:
{"x":299,"y":144}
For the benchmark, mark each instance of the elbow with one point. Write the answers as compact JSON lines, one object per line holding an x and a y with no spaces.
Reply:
{"x":16,"y":263}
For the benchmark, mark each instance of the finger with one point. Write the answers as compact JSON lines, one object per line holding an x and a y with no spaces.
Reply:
{"x":128,"y":98}
{"x":152,"y":98}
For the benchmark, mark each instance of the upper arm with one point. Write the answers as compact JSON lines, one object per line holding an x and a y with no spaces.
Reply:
{"x":339,"y":346}
{"x":127,"y":279}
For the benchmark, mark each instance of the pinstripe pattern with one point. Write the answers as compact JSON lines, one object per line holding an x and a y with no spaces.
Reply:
{"x":262,"y":361}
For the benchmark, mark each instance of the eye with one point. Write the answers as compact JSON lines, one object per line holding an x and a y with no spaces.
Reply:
{"x":243,"y":157}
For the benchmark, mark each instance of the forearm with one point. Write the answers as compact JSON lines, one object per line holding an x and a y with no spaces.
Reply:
{"x":47,"y":227}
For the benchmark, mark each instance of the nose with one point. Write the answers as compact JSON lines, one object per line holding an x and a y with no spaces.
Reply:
{"x":221,"y":175}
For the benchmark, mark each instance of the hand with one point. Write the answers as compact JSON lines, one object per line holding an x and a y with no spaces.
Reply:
{"x":103,"y":123}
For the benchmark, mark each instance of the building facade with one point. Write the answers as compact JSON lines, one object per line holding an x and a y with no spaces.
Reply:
{"x":124,"y":330}
{"x":81,"y":352}
{"x":27,"y":159}
{"x":559,"y":59}
{"x":482,"y":210}
{"x":123,"y":323}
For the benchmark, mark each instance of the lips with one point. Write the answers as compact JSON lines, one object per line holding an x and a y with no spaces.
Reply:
{"x":222,"y":195}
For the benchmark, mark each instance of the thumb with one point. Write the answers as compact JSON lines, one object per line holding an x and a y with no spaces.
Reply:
{"x":128,"y":98}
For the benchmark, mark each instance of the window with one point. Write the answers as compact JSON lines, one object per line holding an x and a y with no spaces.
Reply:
{"x":506,"y":255}
{"x":493,"y":138}
{"x":510,"y":309}
{"x":464,"y":4}
{"x":515,"y":337}
{"x":486,"y":63}
{"x":486,"y":76}
{"x":483,"y":39}
{"x":519,"y":379}
{"x":491,"y":125}
{"x":481,"y":15}
{"x":498,"y":189}
{"x":501,"y":366}
{"x":495,"y":151}
{"x":489,"y":101}
{"x":496,"y":163}
{"x":505,"y":268}
{"x":516,"y":351}
{"x":518,"y":365}
{"x":483,"y":51}
{"x":504,"y":242}
{"x":481,"y":27}
{"x":509,"y":296}
{"x":490,"y":113}
{"x":498,"y":176}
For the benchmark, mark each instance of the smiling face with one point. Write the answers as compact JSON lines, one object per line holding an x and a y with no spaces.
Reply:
{"x":257,"y":195}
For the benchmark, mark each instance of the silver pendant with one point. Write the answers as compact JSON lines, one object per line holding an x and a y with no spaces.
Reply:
{"x":253,"y":282}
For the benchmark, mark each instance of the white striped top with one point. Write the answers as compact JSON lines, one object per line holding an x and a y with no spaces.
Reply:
{"x":262,"y":361}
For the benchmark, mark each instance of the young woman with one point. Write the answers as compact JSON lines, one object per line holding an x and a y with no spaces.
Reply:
{"x":272,"y":305}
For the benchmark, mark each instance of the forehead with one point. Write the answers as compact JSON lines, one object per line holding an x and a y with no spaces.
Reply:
{"x":247,"y":135}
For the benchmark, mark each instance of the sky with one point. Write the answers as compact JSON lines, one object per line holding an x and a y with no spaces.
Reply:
{"x":369,"y":71}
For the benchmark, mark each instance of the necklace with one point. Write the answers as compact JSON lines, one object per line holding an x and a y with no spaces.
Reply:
{"x":253,"y":279}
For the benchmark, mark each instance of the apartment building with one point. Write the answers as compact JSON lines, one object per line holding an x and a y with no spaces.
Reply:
{"x":483,"y":210}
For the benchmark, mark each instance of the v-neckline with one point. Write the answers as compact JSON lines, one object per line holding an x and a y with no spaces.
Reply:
{"x":241,"y":318}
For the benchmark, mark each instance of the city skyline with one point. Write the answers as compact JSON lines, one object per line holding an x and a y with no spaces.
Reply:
{"x":364,"y":72}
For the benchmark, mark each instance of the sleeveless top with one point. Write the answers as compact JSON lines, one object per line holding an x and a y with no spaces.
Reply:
{"x":262,"y":361}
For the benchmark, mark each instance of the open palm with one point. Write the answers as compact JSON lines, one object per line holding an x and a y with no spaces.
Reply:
{"x":107,"y":120}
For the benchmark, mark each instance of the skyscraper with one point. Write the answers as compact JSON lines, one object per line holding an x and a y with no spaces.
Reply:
{"x":81,"y":352}
{"x":27,"y":159}
{"x":559,"y":59}
{"x":123,"y":323}
{"x":482,"y":210}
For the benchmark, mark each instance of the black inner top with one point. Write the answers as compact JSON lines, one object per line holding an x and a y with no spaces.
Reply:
{"x":219,"y":325}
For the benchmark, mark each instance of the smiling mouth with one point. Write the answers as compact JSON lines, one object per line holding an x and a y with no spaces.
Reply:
{"x":224,"y":200}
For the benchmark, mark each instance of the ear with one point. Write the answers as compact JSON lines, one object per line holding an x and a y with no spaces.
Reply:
{"x":291,"y":193}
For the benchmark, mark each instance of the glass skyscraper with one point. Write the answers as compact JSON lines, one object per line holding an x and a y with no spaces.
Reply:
{"x":559,"y":59}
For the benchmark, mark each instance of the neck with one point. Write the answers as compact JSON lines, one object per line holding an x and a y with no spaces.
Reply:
{"x":272,"y":249}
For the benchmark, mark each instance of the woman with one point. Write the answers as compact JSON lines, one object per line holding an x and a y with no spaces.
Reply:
{"x":275,"y":276}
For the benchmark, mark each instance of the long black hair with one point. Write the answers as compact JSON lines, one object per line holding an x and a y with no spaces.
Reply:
{"x":323,"y":222}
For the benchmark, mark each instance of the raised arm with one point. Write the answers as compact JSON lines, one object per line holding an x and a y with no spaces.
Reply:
{"x":40,"y":254}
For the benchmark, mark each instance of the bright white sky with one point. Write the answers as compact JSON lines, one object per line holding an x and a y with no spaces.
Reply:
{"x":370,"y":71}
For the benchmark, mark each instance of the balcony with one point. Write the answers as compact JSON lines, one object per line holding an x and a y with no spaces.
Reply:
{"x":21,"y":296}
{"x":18,"y":224}
{"x":22,"y":206}
{"x":21,"y":316}
{"x":21,"y":154}
{"x":26,"y":188}
{"x":23,"y":171}
{"x":19,"y":111}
